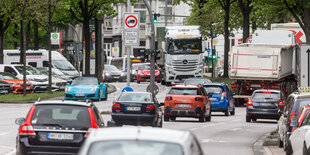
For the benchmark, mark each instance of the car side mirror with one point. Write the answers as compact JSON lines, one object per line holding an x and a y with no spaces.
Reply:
{"x":111,"y":124}
{"x":162,"y":104}
{"x":68,"y":84}
{"x":20,"y":121}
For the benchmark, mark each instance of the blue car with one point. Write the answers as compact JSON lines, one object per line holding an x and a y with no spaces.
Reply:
{"x":221,"y":98}
{"x":86,"y":88}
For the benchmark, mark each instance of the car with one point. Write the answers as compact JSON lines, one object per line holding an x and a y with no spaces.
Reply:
{"x":38,"y":81}
{"x":137,"y":108}
{"x":4,"y":87}
{"x":134,"y":69}
{"x":144,"y":73}
{"x":86,"y":88}
{"x":140,"y":141}
{"x":293,"y":104}
{"x":56,"y":127}
{"x":57,"y":83}
{"x":15,"y":83}
{"x":57,"y":73}
{"x":301,"y":128}
{"x":197,"y":81}
{"x":222,"y":99}
{"x":187,"y":101}
{"x":112,"y":74}
{"x":264,"y":104}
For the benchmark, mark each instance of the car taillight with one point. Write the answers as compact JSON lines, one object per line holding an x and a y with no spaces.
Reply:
{"x":150,"y":108}
{"x":235,"y":86}
{"x":223,"y":95}
{"x":290,"y":118}
{"x":266,"y":92}
{"x":116,"y":106}
{"x":168,"y":98}
{"x":93,"y":124}
{"x":250,"y":103}
{"x":281,"y":104}
{"x":199,"y":99}
{"x":26,"y":129}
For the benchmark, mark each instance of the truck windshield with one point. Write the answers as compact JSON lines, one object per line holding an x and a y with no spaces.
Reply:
{"x":185,"y":46}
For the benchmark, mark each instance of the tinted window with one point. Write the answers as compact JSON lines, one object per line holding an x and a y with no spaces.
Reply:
{"x":213,"y":89}
{"x":184,"y":91}
{"x":33,"y":64}
{"x":10,"y":70}
{"x":63,"y":65}
{"x":135,"y":66}
{"x":197,"y":81}
{"x":85,"y":81}
{"x":29,"y":70}
{"x":134,"y":147}
{"x":135,"y":97}
{"x":7,"y":76}
{"x":299,"y":104}
{"x":145,"y":67}
{"x":110,"y":68}
{"x":306,"y":120}
{"x":62,"y":115}
{"x":266,"y":95}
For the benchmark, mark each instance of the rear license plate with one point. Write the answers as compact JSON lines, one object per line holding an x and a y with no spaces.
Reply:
{"x":213,"y":99}
{"x":133,"y":108}
{"x":265,"y":104}
{"x":183,"y":105}
{"x":4,"y":91}
{"x":60,"y":136}
{"x":79,"y":95}
{"x":255,"y":85}
{"x":27,"y":88}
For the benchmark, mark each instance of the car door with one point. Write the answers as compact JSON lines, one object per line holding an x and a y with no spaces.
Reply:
{"x":298,"y":136}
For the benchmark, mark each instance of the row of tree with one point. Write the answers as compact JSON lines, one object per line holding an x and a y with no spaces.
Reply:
{"x":223,"y":16}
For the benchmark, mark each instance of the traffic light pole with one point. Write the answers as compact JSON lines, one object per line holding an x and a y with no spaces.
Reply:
{"x":128,"y":52}
{"x":212,"y":57}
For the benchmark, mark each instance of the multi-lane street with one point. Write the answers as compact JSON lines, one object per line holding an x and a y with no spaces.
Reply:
{"x":223,"y":135}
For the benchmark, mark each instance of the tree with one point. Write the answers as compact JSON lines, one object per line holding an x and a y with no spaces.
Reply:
{"x":246,"y":8}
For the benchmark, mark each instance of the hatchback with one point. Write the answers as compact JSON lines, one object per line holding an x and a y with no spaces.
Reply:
{"x":144,"y":73}
{"x":56,"y":127}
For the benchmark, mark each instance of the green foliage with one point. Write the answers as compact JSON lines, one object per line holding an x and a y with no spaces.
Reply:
{"x":30,"y":97}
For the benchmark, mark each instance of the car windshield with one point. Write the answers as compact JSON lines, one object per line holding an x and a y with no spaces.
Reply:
{"x":63,"y":65}
{"x":135,"y":66}
{"x":134,"y":147}
{"x":213,"y":89}
{"x":61,"y":116}
{"x":190,"y":46}
{"x":7,"y":76}
{"x":110,"y":68}
{"x":197,"y":81}
{"x":29,"y":70}
{"x":266,"y":95}
{"x":85,"y":81}
{"x":145,"y":67}
{"x":135,"y":97}
{"x":183,"y":91}
{"x":299,"y":104}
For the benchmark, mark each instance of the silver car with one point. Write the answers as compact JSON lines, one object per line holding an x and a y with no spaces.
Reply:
{"x":140,"y":141}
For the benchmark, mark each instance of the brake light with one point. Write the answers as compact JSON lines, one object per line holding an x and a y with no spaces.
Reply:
{"x":168,"y":98}
{"x":26,"y":129}
{"x":150,"y":108}
{"x":116,"y":106}
{"x":235,"y":85}
{"x":93,"y":124}
{"x":290,"y":118}
{"x":199,"y":99}
{"x":266,"y":92}
{"x":250,"y":103}
{"x":281,"y":104}
{"x":223,"y":95}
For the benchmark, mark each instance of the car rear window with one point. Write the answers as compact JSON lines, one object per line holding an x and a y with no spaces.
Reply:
{"x":213,"y":89}
{"x":266,"y":95}
{"x":135,"y":97}
{"x":62,"y":116}
{"x":134,"y":147}
{"x":184,"y":91}
{"x":299,"y":104}
{"x":197,"y":81}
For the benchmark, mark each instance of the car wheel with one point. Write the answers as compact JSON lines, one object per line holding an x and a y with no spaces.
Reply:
{"x":172,"y":118}
{"x":208,"y":118}
{"x":232,"y":112}
{"x":289,"y":150}
{"x":99,"y":96}
{"x":138,"y":81}
{"x":202,"y":117}
{"x":161,"y":124}
{"x":226,"y":112}
{"x":305,"y":151}
{"x":280,"y":143}
{"x":247,"y":118}
{"x":166,"y":118}
{"x":254,"y":119}
{"x":163,"y":82}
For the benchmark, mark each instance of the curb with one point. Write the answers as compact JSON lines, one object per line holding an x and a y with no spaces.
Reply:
{"x":111,"y":89}
{"x":258,"y":147}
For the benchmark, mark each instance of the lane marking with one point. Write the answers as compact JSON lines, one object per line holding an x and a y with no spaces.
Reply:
{"x":212,"y":141}
{"x":4,"y":133}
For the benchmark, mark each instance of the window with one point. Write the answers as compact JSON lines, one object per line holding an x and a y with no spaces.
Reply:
{"x":142,"y":16}
{"x":163,"y":2}
{"x":162,"y":11}
{"x":10,"y":70}
{"x":184,"y":91}
{"x":33,"y":64}
{"x":306,"y":120}
{"x":45,"y":63}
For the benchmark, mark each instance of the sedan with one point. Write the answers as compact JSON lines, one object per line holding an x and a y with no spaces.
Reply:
{"x":16,"y":84}
{"x":112,"y":74}
{"x":137,"y":108}
{"x":140,"y":141}
{"x":86,"y":88}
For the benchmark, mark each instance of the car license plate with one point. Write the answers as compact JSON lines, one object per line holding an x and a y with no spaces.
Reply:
{"x":265,"y":104}
{"x":60,"y":136}
{"x":256,"y":85}
{"x":79,"y":95}
{"x":183,"y":105}
{"x":27,"y":88}
{"x":133,"y":108}
{"x":4,"y":91}
{"x":43,"y":87}
{"x":213,"y":99}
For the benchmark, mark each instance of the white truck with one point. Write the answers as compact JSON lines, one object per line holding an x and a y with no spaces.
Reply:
{"x":294,"y":27}
{"x":182,"y":55}
{"x":269,"y":62}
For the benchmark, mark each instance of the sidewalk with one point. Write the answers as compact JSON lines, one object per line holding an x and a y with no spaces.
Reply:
{"x":268,"y":145}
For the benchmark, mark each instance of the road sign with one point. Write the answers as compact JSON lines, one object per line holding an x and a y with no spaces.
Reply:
{"x":131,"y":29}
{"x":156,"y":89}
{"x":55,"y":38}
{"x":208,"y":50}
{"x":127,"y":89}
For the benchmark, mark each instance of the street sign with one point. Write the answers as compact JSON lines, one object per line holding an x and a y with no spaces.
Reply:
{"x":55,"y":38}
{"x":208,"y":50}
{"x":156,"y":89}
{"x":131,"y":29}
{"x":127,"y":89}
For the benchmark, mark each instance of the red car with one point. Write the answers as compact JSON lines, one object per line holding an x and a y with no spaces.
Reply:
{"x":144,"y":73}
{"x":16,"y":84}
{"x":301,"y":115}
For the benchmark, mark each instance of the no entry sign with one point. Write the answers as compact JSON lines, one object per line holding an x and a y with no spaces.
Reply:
{"x":131,"y":29}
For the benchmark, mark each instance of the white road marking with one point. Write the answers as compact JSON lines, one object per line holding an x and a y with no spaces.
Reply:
{"x":235,"y":129}
{"x":4,"y":133}
{"x":212,"y":141}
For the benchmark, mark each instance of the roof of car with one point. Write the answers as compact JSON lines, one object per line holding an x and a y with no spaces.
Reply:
{"x":133,"y":92}
{"x":214,"y":84}
{"x":63,"y":102}
{"x":139,"y":133}
{"x":300,"y":94}
{"x":186,"y":86}
{"x":270,"y":90}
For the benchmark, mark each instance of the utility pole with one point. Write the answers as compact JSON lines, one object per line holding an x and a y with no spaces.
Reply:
{"x":49,"y":47}
{"x":128,"y":52}
{"x":166,"y":12}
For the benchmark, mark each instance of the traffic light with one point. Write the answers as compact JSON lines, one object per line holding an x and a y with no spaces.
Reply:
{"x":213,"y":55}
{"x":206,"y":59}
{"x":156,"y":17}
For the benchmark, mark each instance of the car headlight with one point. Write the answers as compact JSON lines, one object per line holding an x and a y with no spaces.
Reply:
{"x":31,"y":79}
{"x":68,"y":89}
{"x":93,"y":89}
{"x":122,"y":74}
{"x":157,"y":73}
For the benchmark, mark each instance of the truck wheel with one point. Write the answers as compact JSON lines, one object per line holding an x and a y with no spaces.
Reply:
{"x":166,"y":118}
{"x":247,"y":118}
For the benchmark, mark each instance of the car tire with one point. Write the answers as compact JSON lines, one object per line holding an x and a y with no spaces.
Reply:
{"x":166,"y":118}
{"x":305,"y":151}
{"x":99,"y":97}
{"x":280,"y":143}
{"x":163,"y":82}
{"x":247,"y":118}
{"x":168,"y":83}
{"x":208,"y":118}
{"x":138,"y":81}
{"x":161,"y":124}
{"x":172,"y":118}
{"x":289,"y":150}
{"x":254,"y":119}
{"x":202,"y":118}
{"x":226,"y":112}
{"x":232,"y":112}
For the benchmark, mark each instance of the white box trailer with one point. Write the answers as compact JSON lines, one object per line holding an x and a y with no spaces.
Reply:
{"x":304,"y":66}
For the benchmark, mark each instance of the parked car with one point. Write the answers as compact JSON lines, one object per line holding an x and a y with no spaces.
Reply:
{"x":144,"y":73}
{"x":86,"y":88}
{"x":4,"y":87}
{"x":15,"y":83}
{"x":38,"y":81}
{"x":222,"y":99}
{"x":293,"y":104}
{"x":57,"y":73}
{"x":187,"y":101}
{"x":57,"y":83}
{"x":56,"y":127}
{"x":112,"y":74}
{"x":300,"y":131}
{"x":140,"y":141}
{"x":197,"y":81}
{"x":137,"y":108}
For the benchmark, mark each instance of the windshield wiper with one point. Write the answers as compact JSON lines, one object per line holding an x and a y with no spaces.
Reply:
{"x":52,"y":124}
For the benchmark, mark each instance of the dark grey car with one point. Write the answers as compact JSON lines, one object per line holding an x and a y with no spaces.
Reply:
{"x":264,"y":104}
{"x":112,"y":74}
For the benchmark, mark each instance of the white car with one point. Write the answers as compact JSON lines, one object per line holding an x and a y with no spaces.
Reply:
{"x":140,"y":141}
{"x":298,"y":140}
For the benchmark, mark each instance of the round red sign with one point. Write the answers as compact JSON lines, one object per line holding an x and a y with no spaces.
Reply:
{"x":131,"y":21}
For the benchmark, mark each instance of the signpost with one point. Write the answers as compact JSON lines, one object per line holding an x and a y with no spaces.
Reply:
{"x":56,"y":40}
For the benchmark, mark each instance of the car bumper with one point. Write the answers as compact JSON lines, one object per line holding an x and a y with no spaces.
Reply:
{"x":174,"y":112}
{"x":24,"y":147}
{"x":40,"y":88}
{"x":145,"y":78}
{"x":219,"y":105}
{"x":69,"y":96}
{"x":263,"y":113}
{"x":133,"y":119}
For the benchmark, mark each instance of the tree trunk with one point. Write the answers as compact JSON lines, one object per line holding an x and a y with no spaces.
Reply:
{"x":306,"y":20}
{"x":15,"y":36}
{"x":1,"y":41}
{"x":87,"y":39}
{"x":28,"y":38}
{"x":226,"y":36}
{"x":21,"y":60}
{"x":36,"y":35}
{"x":246,"y":26}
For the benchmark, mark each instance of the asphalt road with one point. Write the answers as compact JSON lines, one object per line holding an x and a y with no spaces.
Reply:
{"x":223,"y":135}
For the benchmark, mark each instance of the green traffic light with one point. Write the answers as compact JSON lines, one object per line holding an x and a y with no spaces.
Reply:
{"x":155,"y":20}
{"x":213,"y":56}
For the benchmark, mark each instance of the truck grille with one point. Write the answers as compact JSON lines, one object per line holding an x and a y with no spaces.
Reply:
{"x":179,"y":65}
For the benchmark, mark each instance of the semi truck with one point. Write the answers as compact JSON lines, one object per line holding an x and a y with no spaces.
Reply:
{"x":269,"y":62}
{"x":182,"y":55}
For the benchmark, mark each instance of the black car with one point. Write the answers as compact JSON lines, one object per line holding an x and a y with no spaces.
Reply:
{"x":56,"y":127}
{"x":112,"y":74}
{"x":197,"y":81}
{"x":264,"y":104}
{"x":5,"y":87}
{"x":137,"y":108}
